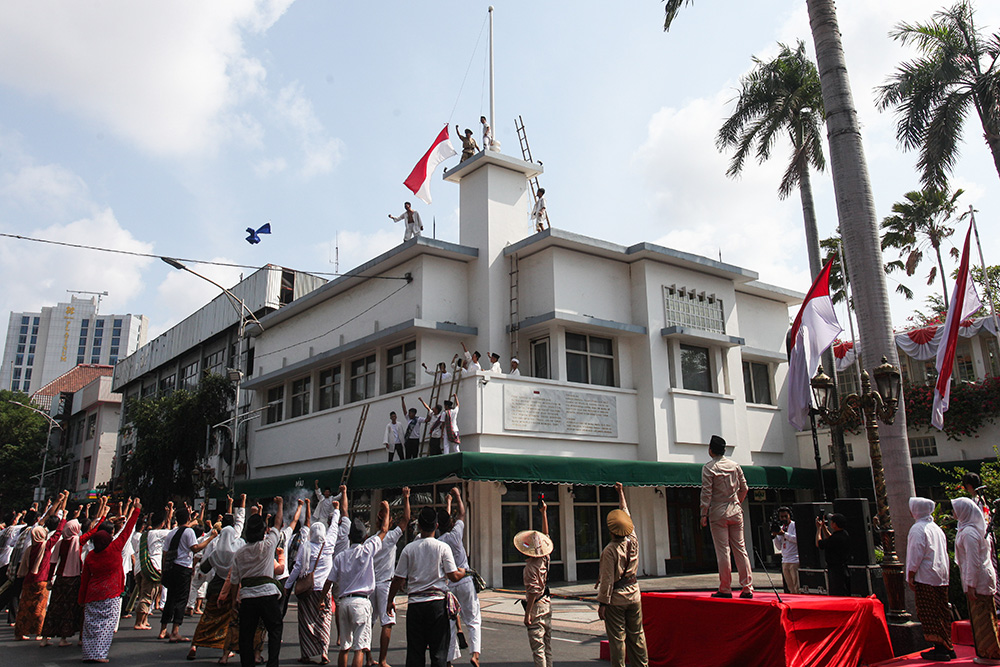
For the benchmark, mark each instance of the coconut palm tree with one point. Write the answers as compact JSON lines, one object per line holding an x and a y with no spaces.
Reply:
{"x":781,"y":96}
{"x":934,"y":94}
{"x":859,"y":226}
{"x":919,"y":221}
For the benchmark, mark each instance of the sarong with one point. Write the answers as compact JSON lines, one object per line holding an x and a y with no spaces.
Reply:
{"x":214,"y":624}
{"x":31,"y":610}
{"x":933,"y":612}
{"x":64,"y":617}
{"x":984,"y":626}
{"x":314,"y":625}
{"x":99,"y":622}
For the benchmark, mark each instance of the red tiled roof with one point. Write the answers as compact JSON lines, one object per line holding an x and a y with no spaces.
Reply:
{"x":75,"y":379}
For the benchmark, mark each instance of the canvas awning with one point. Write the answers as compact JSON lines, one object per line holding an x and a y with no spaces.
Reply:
{"x":475,"y":466}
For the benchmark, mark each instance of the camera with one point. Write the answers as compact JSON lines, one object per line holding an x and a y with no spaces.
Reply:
{"x":776,"y":525}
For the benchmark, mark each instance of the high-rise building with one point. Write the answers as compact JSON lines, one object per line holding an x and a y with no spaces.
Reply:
{"x":41,"y":346}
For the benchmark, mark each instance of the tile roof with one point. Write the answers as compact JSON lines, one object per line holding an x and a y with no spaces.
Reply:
{"x":75,"y":379}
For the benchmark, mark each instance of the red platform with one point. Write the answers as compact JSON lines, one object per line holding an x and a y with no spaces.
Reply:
{"x":693,"y":628}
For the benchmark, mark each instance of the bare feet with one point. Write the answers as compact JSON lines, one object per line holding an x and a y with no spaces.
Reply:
{"x":143,"y":627}
{"x":45,"y":641}
{"x":163,"y":634}
{"x":474,"y":659}
{"x":65,"y":642}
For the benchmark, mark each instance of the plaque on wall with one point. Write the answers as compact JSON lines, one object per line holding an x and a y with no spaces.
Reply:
{"x":545,"y":410}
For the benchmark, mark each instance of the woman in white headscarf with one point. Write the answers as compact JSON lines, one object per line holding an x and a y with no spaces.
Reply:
{"x":979,"y":578}
{"x":927,"y":572}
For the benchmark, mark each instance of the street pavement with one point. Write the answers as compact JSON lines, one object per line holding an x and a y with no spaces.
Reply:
{"x":577,"y":633}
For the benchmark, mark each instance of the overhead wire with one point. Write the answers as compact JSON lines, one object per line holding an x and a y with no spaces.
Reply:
{"x":81,"y":246}
{"x":472,"y":59}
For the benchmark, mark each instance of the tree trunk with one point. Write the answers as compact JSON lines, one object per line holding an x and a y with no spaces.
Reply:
{"x":815,"y":266}
{"x":944,"y":281}
{"x":992,"y":135}
{"x":859,"y":229}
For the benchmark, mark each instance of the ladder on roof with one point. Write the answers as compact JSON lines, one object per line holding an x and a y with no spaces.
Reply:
{"x":456,"y":378}
{"x":353,"y":454}
{"x":522,"y":137}
{"x":515,"y":316}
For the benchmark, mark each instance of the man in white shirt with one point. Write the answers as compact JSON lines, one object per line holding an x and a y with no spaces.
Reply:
{"x":787,"y":543}
{"x":471,"y":361}
{"x":411,"y":432}
{"x":385,"y":561}
{"x":436,"y":418}
{"x":452,"y":439}
{"x":514,"y":372}
{"x":495,"y":363}
{"x":393,"y":439}
{"x":324,"y":504}
{"x":353,"y":577}
{"x":487,"y":133}
{"x":453,"y":535}
{"x":441,"y":371}
{"x":425,"y":567}
{"x":538,"y":213}
{"x":413,"y":224}
{"x":148,"y":557}
{"x":178,"y":578}
{"x":252,"y":574}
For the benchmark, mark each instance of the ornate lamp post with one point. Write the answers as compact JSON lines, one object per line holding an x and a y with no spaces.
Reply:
{"x":880,"y":402}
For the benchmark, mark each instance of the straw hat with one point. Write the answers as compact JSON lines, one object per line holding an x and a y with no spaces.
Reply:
{"x":533,"y":543}
{"x":619,"y":523}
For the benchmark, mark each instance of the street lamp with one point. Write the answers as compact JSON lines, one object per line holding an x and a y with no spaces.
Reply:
{"x":48,"y":436}
{"x":234,"y":374}
{"x":880,"y":402}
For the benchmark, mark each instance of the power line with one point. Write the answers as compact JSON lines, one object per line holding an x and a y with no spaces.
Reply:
{"x":81,"y":246}
{"x":345,"y":322}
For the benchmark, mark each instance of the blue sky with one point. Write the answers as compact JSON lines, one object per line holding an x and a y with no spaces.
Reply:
{"x":170,"y":127}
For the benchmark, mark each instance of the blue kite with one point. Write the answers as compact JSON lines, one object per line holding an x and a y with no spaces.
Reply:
{"x":253,"y":237}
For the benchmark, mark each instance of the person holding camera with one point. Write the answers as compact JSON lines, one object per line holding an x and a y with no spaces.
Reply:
{"x":834,"y":540}
{"x":786,"y":542}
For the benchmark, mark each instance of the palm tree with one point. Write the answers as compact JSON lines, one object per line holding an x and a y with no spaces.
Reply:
{"x":859,"y":225}
{"x":777,"y":97}
{"x":934,"y":93}
{"x":920,"y":220}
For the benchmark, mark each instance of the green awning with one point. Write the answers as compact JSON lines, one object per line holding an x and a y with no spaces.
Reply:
{"x":475,"y":466}
{"x":924,"y":474}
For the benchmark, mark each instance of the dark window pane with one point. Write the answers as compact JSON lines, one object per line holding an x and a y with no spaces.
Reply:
{"x":600,"y":345}
{"x":602,"y":371}
{"x":514,"y":519}
{"x":747,"y":382}
{"x":695,"y":368}
{"x":587,"y":532}
{"x":576,"y":367}
{"x":516,"y":493}
{"x":576,"y":342}
{"x":761,"y":383}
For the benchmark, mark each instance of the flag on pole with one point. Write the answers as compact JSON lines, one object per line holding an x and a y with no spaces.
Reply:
{"x":964,"y":302}
{"x":814,"y":330}
{"x":419,"y":180}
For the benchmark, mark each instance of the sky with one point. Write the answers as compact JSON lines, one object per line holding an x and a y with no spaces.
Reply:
{"x":168,"y":128}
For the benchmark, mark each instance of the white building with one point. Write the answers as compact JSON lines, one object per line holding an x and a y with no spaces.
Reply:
{"x":42,"y":346}
{"x":631,"y":358}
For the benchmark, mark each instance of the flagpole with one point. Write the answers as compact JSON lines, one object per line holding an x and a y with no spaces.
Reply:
{"x":492,"y":104}
{"x":986,"y":278}
{"x":850,"y":320}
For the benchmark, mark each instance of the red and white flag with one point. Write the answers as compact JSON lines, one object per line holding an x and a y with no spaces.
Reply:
{"x":964,"y":302}
{"x":419,"y":180}
{"x":814,"y":330}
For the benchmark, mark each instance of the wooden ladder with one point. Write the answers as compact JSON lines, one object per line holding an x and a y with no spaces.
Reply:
{"x":456,"y":378}
{"x":522,"y":137}
{"x":353,"y":454}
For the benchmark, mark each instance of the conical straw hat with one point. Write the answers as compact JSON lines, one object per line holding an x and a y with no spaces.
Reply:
{"x":533,"y":543}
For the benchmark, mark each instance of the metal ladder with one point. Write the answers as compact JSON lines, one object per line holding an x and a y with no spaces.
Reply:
{"x":353,"y":454}
{"x":522,"y":137}
{"x":515,"y":316}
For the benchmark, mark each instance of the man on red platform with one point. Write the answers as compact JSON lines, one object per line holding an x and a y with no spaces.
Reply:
{"x":723,"y":489}
{"x":618,"y":590}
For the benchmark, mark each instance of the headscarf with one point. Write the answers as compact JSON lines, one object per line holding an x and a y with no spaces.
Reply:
{"x":969,"y":516}
{"x":921,"y":509}
{"x":971,"y":534}
{"x":36,"y":552}
{"x":317,"y":536}
{"x":226,"y":545}
{"x":69,"y":549}
{"x":101,"y":539}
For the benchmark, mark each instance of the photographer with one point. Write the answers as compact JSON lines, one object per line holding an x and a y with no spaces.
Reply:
{"x":786,"y":541}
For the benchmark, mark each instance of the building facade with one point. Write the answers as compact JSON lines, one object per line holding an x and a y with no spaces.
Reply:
{"x":631,"y":358}
{"x":42,"y":346}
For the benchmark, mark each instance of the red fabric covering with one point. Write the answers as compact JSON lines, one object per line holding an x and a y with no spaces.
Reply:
{"x":961,"y":633}
{"x":692,"y":628}
{"x":966,"y":656}
{"x":922,"y":336}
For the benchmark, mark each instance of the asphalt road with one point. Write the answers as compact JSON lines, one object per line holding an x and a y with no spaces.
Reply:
{"x":503,"y":644}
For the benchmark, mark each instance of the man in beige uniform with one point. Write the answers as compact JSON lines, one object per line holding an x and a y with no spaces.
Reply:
{"x":618,"y":591}
{"x":723,"y":489}
{"x":537,"y":546}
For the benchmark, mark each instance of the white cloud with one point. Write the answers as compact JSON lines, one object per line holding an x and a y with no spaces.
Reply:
{"x":181,"y":293}
{"x":166,"y":76}
{"x":356,"y":248}
{"x":46,"y":190}
{"x":265,"y":168}
{"x":321,"y":153}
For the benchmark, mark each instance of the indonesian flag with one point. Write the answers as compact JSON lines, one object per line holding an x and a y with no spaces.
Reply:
{"x":419,"y":180}
{"x":964,"y":302}
{"x":815,"y":328}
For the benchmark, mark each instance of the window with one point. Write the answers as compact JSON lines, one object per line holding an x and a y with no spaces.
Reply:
{"x":25,"y":320}
{"x":329,"y":388}
{"x":923,"y":446}
{"x":27,"y":373}
{"x":215,"y":363}
{"x":965,"y":367}
{"x":85,"y":475}
{"x":19,"y":360}
{"x":75,"y":475}
{"x":78,"y":431}
{"x":17,"y":373}
{"x":757,"y":382}
{"x":590,"y":359}
{"x":300,"y":396}
{"x":362,"y":378}
{"x":686,"y":307}
{"x":993,"y":358}
{"x":148,"y":389}
{"x":168,"y":384}
{"x":275,"y":405}
{"x":15,"y":385}
{"x":518,"y":511}
{"x":540,"y":367}
{"x":850,"y":451}
{"x":591,"y":505}
{"x":401,"y":367}
{"x":189,"y":376}
{"x":27,"y":387}
{"x":31,"y":359}
{"x":91,"y":426}
{"x":118,"y":324}
{"x":696,"y":371}
{"x":847,"y":381}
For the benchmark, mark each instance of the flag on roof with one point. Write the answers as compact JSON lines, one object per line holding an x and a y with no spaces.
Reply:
{"x":419,"y":180}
